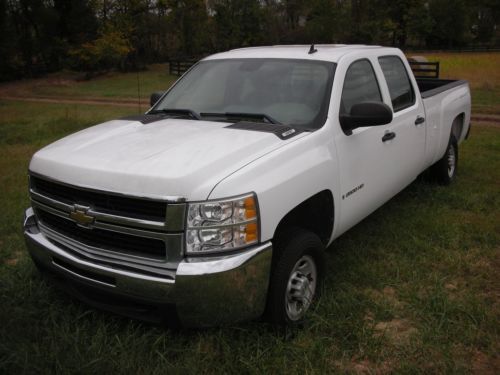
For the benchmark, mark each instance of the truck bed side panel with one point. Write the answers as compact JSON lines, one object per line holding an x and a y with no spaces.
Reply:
{"x":441,"y":109}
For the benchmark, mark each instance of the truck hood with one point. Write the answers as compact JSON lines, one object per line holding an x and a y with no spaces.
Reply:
{"x":164,"y":159}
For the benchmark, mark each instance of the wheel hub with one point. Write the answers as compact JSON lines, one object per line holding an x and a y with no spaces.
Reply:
{"x":301,"y":287}
{"x":451,"y":161}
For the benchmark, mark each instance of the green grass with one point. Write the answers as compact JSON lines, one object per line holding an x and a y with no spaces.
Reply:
{"x":110,"y":86}
{"x":481,"y":70}
{"x":413,"y":288}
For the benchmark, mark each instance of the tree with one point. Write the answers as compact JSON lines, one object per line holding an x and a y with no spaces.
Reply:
{"x":109,"y":50}
{"x":191,"y":20}
{"x":450,"y":23}
{"x":238,"y":23}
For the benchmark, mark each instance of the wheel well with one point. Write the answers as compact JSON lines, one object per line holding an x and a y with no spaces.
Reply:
{"x":457,"y":126}
{"x":315,"y":214}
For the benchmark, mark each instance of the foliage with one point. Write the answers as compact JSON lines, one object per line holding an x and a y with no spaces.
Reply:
{"x":109,"y":50}
{"x":38,"y":36}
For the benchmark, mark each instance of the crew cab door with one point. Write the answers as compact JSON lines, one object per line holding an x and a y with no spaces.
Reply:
{"x":408,"y":123}
{"x":375,"y":162}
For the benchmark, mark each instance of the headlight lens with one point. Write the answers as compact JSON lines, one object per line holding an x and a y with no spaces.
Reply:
{"x":222,"y":225}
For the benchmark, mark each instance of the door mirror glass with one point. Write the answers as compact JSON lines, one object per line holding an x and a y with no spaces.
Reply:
{"x":366,"y":114}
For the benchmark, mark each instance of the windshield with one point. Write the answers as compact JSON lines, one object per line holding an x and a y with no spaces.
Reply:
{"x":292,"y":92}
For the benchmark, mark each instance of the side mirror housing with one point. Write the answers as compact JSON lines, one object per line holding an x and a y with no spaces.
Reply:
{"x":366,"y":114}
{"x":155,"y":97}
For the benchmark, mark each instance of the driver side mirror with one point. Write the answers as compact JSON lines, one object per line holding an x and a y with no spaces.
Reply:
{"x":366,"y":114}
{"x":155,"y":97}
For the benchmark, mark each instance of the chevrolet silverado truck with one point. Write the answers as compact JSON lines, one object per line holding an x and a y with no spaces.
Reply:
{"x":217,"y":205}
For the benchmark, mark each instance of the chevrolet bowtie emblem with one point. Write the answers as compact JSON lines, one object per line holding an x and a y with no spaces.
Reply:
{"x":80,"y":216}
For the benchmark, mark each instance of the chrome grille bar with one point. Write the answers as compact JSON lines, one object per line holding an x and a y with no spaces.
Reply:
{"x":99,"y":216}
{"x":169,"y":231}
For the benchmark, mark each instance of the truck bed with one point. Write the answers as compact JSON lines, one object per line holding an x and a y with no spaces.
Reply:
{"x":432,"y":86}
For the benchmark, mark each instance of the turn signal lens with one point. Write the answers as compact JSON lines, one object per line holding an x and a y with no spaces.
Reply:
{"x":250,"y":208}
{"x":251,"y":233}
{"x":222,"y":225}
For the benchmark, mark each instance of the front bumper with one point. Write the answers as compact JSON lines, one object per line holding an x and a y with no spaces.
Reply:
{"x":205,"y":291}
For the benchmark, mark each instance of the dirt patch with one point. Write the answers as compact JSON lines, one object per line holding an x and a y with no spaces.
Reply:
{"x":493,"y":119}
{"x":364,"y":366}
{"x":485,"y":365}
{"x":387,"y":295}
{"x":451,"y":286}
{"x":12,"y":261}
{"x":117,"y":103}
{"x":398,"y":331}
{"x":455,"y":288}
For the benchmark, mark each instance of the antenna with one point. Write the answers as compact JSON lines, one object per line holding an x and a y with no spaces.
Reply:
{"x":312,"y":50}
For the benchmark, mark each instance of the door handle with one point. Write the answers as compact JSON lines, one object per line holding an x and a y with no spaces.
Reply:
{"x":419,"y":120}
{"x":388,"y":136}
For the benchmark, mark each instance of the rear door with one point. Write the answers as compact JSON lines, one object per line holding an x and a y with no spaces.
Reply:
{"x":408,"y":124}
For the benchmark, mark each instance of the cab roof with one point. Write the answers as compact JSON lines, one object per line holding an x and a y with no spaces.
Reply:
{"x":325,"y":52}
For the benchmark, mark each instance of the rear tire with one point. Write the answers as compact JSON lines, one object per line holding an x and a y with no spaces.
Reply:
{"x":444,"y":171}
{"x":296,"y":276}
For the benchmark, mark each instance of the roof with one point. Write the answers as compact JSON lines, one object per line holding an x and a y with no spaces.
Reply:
{"x":327,"y":52}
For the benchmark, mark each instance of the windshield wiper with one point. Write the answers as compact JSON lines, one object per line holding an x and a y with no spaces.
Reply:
{"x":176,"y":111}
{"x":242,"y":115}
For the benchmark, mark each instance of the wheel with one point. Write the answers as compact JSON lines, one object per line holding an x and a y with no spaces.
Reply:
{"x":445,"y":169}
{"x":295,"y":277}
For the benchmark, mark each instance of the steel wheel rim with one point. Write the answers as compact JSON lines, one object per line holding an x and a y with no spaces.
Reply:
{"x":301,"y":287}
{"x":451,"y":161}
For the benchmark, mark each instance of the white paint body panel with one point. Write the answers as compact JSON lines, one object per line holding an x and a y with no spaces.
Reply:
{"x":201,"y":160}
{"x":172,"y":157}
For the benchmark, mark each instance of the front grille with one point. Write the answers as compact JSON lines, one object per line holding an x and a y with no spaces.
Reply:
{"x":104,"y":239}
{"x":101,"y":201}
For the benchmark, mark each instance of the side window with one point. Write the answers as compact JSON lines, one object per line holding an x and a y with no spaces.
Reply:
{"x":400,"y":88}
{"x":360,"y":85}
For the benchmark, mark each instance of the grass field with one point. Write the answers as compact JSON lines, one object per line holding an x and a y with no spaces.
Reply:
{"x":413,"y":288}
{"x":110,"y":86}
{"x":480,"y":69}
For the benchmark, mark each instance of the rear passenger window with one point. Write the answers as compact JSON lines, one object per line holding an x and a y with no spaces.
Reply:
{"x":400,"y":88}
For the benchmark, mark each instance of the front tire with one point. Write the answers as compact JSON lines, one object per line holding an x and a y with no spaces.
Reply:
{"x":445,"y":169}
{"x":296,"y":277}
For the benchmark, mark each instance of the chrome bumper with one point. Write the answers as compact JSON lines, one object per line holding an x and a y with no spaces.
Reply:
{"x":205,"y":291}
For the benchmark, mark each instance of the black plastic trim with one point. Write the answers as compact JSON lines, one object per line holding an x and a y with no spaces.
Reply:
{"x":447,"y":84}
{"x":144,"y":118}
{"x":281,"y":131}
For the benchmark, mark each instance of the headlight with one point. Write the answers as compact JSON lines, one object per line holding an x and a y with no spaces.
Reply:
{"x":224,"y":224}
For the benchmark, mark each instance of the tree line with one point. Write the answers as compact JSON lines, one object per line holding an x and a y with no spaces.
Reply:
{"x":39,"y":36}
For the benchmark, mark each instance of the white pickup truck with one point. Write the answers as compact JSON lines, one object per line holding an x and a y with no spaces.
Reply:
{"x":217,"y":204}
